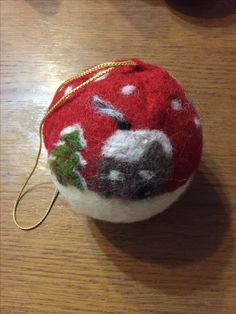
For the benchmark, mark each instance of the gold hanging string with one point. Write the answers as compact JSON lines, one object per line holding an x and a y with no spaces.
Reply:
{"x":98,"y":67}
{"x":110,"y":66}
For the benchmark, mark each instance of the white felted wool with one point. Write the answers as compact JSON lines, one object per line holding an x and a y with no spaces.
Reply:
{"x":117,"y":210}
{"x":131,"y":145}
{"x":176,"y":104}
{"x":128,"y":89}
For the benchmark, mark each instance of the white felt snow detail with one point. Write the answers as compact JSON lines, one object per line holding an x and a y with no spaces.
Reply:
{"x":128,"y":89}
{"x":176,"y":104}
{"x":115,"y":175}
{"x":116,"y":209}
{"x":68,"y":89}
{"x":82,"y":160}
{"x":131,"y":145}
{"x":73,"y":128}
{"x":197,"y":122}
{"x":146,"y":174}
{"x":101,"y":77}
{"x":60,"y":143}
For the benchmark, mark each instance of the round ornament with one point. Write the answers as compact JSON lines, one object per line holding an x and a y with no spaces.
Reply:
{"x":124,"y":143}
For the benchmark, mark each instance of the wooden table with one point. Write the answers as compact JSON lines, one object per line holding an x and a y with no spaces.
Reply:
{"x":183,"y":261}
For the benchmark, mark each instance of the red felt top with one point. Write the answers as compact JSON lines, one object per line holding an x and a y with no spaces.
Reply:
{"x":149,"y":107}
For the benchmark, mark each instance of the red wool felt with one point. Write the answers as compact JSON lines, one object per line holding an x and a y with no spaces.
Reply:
{"x":157,"y":102}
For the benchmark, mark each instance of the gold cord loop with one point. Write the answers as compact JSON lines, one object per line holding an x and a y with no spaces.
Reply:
{"x":110,"y":66}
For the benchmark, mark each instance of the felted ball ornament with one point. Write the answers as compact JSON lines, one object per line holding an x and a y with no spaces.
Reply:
{"x":125,"y":146}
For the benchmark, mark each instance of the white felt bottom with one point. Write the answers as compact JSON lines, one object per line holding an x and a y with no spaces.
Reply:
{"x":117,"y":209}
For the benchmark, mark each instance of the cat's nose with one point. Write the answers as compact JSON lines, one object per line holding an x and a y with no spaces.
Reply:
{"x":134,"y":164}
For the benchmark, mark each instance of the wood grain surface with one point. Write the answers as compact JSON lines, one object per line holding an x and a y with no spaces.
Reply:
{"x":182,"y":261}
